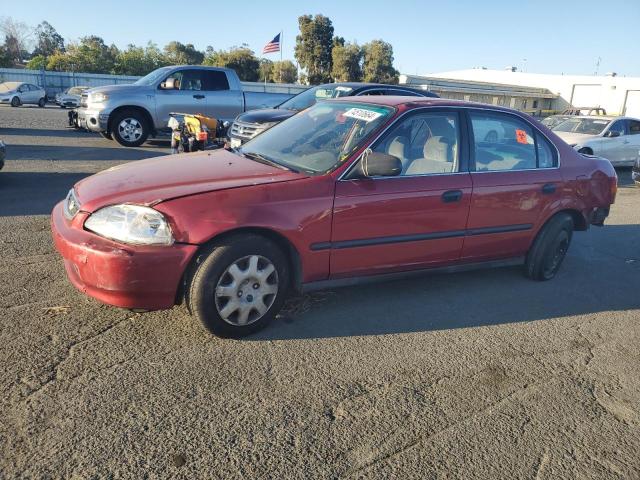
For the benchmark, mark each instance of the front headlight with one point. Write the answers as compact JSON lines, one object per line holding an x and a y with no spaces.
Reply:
{"x":133,"y":224}
{"x":98,"y":97}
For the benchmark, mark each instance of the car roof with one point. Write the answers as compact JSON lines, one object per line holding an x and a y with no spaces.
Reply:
{"x":399,"y":100}
{"x":363,"y":85}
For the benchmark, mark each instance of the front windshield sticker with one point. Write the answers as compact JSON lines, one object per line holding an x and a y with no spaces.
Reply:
{"x":362,"y":114}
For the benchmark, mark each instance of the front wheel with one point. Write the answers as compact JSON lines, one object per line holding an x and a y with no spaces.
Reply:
{"x":238,"y":285}
{"x":130,"y":128}
{"x":15,"y":102}
{"x":549,"y":248}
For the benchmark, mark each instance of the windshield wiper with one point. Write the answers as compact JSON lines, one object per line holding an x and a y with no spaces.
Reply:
{"x":267,"y":161}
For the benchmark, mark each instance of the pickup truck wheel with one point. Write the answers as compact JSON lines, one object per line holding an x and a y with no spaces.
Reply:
{"x":238,"y":285}
{"x":106,"y":135}
{"x":42,"y":102}
{"x":15,"y":102}
{"x":549,"y":248}
{"x":129,"y":128}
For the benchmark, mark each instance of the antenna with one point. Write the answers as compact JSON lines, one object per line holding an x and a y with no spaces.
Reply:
{"x":598,"y":66}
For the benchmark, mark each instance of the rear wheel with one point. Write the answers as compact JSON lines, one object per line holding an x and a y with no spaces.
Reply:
{"x":42,"y":102}
{"x":549,"y":248}
{"x":15,"y":102}
{"x":130,"y":128}
{"x":238,"y":285}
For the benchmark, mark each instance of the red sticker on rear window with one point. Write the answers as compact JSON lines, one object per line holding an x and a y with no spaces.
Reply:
{"x":521,"y":136}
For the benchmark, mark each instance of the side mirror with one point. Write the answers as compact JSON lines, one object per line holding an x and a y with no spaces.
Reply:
{"x":168,"y":84}
{"x":613,"y":134}
{"x":377,"y":164}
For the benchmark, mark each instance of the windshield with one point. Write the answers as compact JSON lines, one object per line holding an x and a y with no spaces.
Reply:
{"x":153,"y":77}
{"x":309,"y":97}
{"x":320,"y":138}
{"x":76,"y":90}
{"x":588,"y":126}
{"x":8,"y":86}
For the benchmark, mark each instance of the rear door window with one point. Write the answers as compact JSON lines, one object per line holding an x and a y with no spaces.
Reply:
{"x":215,"y":80}
{"x":634,"y":127}
{"x":504,"y":142}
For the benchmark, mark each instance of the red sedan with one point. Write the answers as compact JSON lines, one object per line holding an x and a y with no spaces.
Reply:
{"x":347,"y":190}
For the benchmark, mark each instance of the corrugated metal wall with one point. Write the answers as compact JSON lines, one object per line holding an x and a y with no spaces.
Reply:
{"x":55,"y":82}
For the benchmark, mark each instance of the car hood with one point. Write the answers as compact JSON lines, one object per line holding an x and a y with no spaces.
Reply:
{"x":117,"y":89}
{"x":151,"y":181}
{"x":575,"y":138}
{"x":266,"y":115}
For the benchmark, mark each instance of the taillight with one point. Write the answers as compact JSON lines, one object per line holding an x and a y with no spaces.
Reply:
{"x":613,"y":187}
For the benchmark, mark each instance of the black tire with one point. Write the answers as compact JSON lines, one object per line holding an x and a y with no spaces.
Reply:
{"x":15,"y":102}
{"x":106,"y":135}
{"x":210,"y":271}
{"x":42,"y":102}
{"x":549,"y":248}
{"x":62,"y":106}
{"x":136,"y":120}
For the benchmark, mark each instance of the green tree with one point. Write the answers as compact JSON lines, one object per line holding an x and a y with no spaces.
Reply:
{"x":313,"y":47}
{"x":241,"y":59}
{"x":138,"y":60}
{"x":90,"y":55}
{"x":39,"y":62}
{"x":378,"y":63}
{"x":347,"y":62}
{"x":49,"y":41}
{"x":5,"y":58}
{"x":265,"y":70}
{"x":177,"y":53}
{"x":16,"y":38}
{"x":284,"y":72}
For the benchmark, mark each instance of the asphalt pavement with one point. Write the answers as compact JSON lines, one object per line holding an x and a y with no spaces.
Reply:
{"x":482,"y":374}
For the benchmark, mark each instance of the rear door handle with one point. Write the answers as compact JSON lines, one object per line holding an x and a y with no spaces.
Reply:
{"x":451,"y":196}
{"x":549,"y":188}
{"x":199,"y":97}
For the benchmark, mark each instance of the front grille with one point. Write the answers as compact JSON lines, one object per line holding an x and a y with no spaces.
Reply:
{"x":83,"y":100}
{"x":247,"y":130}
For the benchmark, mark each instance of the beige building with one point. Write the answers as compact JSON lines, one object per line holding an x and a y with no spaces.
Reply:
{"x":618,"y":95}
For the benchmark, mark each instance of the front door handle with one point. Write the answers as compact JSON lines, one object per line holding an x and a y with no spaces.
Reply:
{"x":199,"y":97}
{"x":451,"y":196}
{"x":549,"y":188}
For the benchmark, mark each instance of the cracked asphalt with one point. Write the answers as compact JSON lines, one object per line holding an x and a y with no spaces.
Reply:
{"x":482,"y":374}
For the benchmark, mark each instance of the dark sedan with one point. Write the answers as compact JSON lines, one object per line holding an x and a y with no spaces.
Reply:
{"x":249,"y":124}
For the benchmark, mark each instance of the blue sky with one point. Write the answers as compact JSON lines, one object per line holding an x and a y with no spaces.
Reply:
{"x":562,"y":36}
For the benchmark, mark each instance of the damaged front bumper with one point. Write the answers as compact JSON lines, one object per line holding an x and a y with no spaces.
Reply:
{"x":136,"y":277}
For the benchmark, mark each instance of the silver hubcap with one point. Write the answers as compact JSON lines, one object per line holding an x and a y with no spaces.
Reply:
{"x":246,"y":290}
{"x":130,"y":129}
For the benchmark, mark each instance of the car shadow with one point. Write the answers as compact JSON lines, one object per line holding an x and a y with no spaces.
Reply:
{"x":45,"y":132}
{"x":600,"y":274}
{"x":34,"y":193}
{"x":90,"y":153}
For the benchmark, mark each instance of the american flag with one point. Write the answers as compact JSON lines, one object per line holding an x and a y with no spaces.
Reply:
{"x":273,"y":45}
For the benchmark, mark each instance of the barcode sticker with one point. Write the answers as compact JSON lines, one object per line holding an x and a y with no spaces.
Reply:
{"x":362,"y":114}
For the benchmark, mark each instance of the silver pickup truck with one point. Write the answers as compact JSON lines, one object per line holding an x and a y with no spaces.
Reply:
{"x":131,"y":113}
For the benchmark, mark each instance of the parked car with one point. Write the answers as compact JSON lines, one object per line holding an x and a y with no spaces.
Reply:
{"x":70,"y":97}
{"x":3,"y":153}
{"x":635,"y":172}
{"x":345,"y":191}
{"x":132,"y":113}
{"x":591,"y":111}
{"x":553,"y":120}
{"x":20,"y":93}
{"x":248,"y":125}
{"x":615,"y":138}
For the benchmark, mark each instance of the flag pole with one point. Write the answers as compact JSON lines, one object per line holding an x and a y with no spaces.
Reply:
{"x":281,"y":45}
